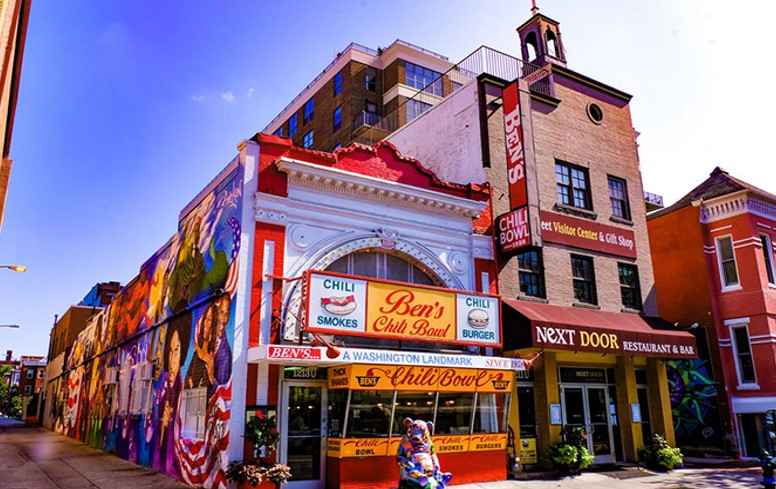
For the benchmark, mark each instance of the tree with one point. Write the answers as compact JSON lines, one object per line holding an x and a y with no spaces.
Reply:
{"x":10,"y":401}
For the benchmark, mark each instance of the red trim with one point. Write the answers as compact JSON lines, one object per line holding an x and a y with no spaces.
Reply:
{"x":382,"y":160}
{"x":264,"y":233}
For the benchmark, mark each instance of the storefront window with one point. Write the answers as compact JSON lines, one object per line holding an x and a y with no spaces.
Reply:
{"x":454,"y":413}
{"x":527,"y":411}
{"x":489,"y":415}
{"x":338,"y":400}
{"x":370,"y":414}
{"x":415,"y":405}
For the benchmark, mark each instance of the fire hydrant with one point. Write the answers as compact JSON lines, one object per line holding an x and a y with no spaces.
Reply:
{"x":768,"y":463}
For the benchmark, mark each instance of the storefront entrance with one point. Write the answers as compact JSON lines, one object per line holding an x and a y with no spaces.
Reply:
{"x":587,"y":406}
{"x":303,"y":431}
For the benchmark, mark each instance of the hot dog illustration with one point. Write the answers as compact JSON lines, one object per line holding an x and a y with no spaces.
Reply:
{"x":339,"y":306}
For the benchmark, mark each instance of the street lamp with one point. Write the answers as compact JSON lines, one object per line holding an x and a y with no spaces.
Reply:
{"x":15,"y":268}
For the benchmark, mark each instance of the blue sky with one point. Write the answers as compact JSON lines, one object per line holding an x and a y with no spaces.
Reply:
{"x":127,"y":109}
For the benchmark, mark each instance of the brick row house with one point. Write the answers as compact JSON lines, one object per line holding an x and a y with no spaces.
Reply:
{"x":485,"y":268}
{"x":713,"y":253}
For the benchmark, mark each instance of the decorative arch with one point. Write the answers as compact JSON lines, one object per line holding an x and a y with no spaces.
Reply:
{"x":531,"y":46}
{"x":553,"y":48}
{"x":380,"y":239}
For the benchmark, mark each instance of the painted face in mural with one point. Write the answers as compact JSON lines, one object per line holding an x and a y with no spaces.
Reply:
{"x":223,"y":315}
{"x":174,"y":355}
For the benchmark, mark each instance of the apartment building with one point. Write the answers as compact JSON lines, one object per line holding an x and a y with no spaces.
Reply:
{"x":363,"y":94}
{"x":715,"y":267}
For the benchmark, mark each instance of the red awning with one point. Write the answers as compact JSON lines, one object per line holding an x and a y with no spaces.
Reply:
{"x":582,"y":329}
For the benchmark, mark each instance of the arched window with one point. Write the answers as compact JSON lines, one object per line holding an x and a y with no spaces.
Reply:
{"x":552,"y":44}
{"x":530,"y":46}
{"x":382,"y":265}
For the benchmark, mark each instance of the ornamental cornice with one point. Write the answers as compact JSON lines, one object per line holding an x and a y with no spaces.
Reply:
{"x":734,"y":204}
{"x":344,"y":182}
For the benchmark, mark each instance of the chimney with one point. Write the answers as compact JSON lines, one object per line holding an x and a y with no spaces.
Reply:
{"x":8,"y":355}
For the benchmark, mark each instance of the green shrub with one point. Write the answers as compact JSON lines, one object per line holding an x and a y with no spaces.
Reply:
{"x":571,"y":455}
{"x":659,"y":455}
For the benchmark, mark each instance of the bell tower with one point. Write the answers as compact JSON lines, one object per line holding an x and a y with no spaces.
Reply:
{"x":540,"y":40}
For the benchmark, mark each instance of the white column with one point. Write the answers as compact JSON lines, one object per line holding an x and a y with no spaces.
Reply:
{"x":249,"y":160}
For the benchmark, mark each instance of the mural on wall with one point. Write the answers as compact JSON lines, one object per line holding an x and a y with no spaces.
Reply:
{"x":694,"y":404}
{"x":149,"y":378}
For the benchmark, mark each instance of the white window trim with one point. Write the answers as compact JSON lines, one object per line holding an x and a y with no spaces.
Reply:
{"x":742,"y":323}
{"x":726,"y":288}
{"x":768,"y":254}
{"x":190,"y":395}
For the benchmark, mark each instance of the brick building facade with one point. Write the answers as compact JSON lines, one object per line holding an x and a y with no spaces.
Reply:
{"x":583,"y":189}
{"x":363,"y":94}
{"x":715,"y":267}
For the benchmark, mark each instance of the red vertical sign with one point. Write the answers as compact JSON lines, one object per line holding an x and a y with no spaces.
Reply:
{"x":513,"y":132}
{"x":513,"y":227}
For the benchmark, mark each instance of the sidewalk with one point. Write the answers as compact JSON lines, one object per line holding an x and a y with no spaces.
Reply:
{"x":738,"y":478}
{"x":34,"y":458}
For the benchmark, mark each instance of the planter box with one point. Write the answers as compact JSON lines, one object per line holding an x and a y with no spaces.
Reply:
{"x":263,"y":485}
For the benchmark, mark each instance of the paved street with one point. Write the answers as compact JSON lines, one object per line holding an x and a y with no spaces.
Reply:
{"x":33,"y":458}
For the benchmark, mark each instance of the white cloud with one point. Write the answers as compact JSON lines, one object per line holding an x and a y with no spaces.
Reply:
{"x":251,"y":91}
{"x":228,"y":97}
{"x":197,"y":98}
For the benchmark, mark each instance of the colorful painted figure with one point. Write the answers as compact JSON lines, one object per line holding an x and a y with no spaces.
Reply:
{"x":418,"y":462}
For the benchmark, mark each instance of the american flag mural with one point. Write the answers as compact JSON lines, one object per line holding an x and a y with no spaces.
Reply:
{"x":153,"y":382}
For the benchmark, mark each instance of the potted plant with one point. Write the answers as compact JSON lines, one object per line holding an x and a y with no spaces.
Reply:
{"x":570,"y":455}
{"x":260,"y":471}
{"x":659,"y":455}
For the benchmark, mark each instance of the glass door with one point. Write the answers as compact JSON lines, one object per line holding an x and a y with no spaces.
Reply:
{"x":599,"y":431}
{"x":304,"y":434}
{"x":587,"y":407}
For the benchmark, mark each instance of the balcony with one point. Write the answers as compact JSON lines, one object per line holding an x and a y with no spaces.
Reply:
{"x":367,"y":128}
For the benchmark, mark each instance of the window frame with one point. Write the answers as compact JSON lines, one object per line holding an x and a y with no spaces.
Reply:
{"x":733,"y":325}
{"x":305,"y":143}
{"x":308,"y":111}
{"x":570,"y":188}
{"x":636,"y":287}
{"x":370,"y":81}
{"x":336,"y":122}
{"x":416,"y":104}
{"x":196,"y":394}
{"x":337,"y":83}
{"x":539,"y":272}
{"x":420,"y":75}
{"x":625,"y":198}
{"x":574,"y":279}
{"x":770,"y":264}
{"x":723,"y":283}
{"x":293,"y":125}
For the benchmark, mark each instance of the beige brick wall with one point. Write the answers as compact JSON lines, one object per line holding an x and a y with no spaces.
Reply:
{"x":566,"y":133}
